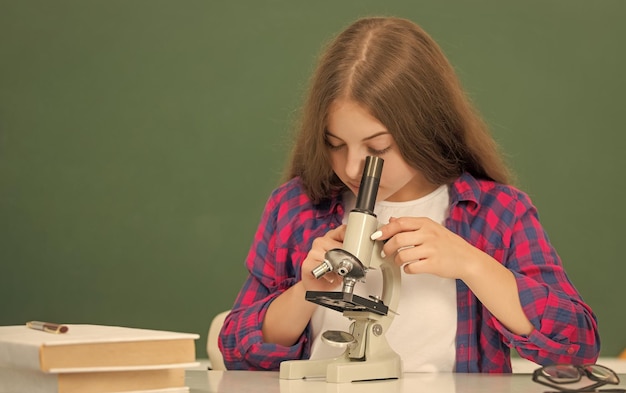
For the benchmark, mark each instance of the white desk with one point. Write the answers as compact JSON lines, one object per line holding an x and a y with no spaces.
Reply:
{"x":268,"y":382}
{"x":520,"y":366}
{"x":524,"y":366}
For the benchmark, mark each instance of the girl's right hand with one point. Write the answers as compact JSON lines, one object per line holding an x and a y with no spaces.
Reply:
{"x":315,"y":257}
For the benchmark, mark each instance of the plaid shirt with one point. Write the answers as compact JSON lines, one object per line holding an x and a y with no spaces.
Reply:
{"x":498,"y":219}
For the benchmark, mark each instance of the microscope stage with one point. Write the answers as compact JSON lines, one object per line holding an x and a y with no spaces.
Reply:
{"x":340,"y":301}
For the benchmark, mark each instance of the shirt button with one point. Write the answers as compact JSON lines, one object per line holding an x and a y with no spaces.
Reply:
{"x":571,"y":350}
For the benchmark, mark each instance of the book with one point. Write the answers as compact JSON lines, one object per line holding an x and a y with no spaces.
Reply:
{"x":23,"y":380}
{"x":95,"y":348}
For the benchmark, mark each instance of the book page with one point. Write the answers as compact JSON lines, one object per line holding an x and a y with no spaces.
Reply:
{"x":23,"y":347}
{"x":84,"y":334}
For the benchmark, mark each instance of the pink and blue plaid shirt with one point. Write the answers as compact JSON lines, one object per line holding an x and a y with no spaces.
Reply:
{"x":498,"y":219}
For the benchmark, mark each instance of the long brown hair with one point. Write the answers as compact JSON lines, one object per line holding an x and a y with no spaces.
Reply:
{"x":398,"y":72}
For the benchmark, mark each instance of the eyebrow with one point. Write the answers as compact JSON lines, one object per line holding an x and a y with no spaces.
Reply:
{"x":364,"y":139}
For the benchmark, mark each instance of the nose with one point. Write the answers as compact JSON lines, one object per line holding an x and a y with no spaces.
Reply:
{"x":354,"y":165}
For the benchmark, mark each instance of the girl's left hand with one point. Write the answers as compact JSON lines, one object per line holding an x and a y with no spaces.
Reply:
{"x":424,"y":246}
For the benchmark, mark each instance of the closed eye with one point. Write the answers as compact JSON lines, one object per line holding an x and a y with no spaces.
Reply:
{"x":378,"y":152}
{"x":333,"y":147}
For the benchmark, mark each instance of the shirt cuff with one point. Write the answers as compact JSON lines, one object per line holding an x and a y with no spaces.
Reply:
{"x":555,"y":324}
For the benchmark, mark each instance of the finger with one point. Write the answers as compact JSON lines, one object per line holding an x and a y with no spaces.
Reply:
{"x":409,"y":254}
{"x":416,"y":267}
{"x":402,"y":241}
{"x":398,"y":225}
{"x":338,"y":233}
{"x":317,"y":255}
{"x":327,"y":242}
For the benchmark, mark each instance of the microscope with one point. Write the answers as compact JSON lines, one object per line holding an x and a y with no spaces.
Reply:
{"x":367,"y":354}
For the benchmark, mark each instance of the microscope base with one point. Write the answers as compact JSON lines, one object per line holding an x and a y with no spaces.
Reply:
{"x":343,"y":369}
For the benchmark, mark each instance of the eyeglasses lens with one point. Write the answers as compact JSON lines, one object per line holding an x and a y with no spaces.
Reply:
{"x":602,"y":373}
{"x":562,"y":373}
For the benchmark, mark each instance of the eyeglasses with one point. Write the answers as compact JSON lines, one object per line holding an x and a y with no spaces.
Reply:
{"x":557,"y":375}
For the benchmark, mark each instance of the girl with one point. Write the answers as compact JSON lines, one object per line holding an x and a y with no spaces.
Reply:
{"x":479,"y":275}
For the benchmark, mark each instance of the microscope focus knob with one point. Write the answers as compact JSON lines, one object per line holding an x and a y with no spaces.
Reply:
{"x":322,"y":269}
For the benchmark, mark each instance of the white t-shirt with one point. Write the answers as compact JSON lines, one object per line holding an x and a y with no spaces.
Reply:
{"x":423,"y":332}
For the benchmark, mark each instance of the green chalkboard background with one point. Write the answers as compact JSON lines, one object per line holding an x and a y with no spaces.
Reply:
{"x":140,"y":139}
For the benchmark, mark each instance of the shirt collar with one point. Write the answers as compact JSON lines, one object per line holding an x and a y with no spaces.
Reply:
{"x":332,"y":206}
{"x":465,"y":188}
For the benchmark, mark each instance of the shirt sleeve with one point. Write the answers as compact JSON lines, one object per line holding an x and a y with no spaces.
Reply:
{"x":565,"y":327}
{"x":241,"y":338}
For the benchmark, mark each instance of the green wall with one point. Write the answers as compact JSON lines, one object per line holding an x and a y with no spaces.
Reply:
{"x":139,"y":141}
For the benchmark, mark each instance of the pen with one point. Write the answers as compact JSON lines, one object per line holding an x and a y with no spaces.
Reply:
{"x":48,"y":327}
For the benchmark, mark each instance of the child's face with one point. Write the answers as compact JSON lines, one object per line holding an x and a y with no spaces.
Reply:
{"x":352,"y":134}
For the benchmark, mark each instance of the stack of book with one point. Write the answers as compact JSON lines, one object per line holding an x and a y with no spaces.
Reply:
{"x":94,"y":359}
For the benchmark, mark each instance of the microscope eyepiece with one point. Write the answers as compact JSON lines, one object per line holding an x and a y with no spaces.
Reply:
{"x":368,"y":189}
